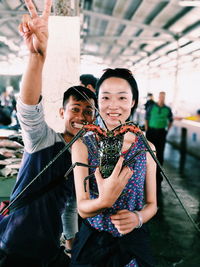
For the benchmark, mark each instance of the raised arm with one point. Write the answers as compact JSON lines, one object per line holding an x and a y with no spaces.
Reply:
{"x":34,"y":29}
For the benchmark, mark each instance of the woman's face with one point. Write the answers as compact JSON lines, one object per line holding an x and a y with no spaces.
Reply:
{"x":115,"y":101}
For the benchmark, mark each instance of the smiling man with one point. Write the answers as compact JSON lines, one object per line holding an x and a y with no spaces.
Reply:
{"x":30,"y":234}
{"x":75,"y":112}
{"x":33,"y":230}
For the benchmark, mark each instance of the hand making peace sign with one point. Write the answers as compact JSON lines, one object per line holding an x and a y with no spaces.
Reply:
{"x":34,"y":28}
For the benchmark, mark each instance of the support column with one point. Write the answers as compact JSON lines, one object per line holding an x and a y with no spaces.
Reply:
{"x":61,"y":69}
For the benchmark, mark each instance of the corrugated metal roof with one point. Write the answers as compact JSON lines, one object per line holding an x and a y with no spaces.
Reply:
{"x":126,"y":33}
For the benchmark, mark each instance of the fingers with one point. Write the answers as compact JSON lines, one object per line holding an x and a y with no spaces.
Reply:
{"x":118,"y":167}
{"x":20,"y":29}
{"x":125,"y":174}
{"x":24,"y":25}
{"x":47,"y":9}
{"x":33,"y":11}
{"x":124,"y":221}
{"x":31,"y":8}
{"x":121,"y":214}
{"x":25,"y":22}
{"x":123,"y":226}
{"x":26,"y":18}
{"x":98,"y":175}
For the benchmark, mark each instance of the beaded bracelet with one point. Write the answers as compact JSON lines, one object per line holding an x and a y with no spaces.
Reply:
{"x":139,"y":218}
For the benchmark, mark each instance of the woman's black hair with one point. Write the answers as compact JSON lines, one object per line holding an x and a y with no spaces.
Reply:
{"x":80,"y":93}
{"x":123,"y":74}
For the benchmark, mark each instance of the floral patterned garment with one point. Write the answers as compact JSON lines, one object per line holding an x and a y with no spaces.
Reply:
{"x":132,"y":197}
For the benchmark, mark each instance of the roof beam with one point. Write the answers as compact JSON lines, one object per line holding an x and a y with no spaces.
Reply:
{"x":126,"y":22}
{"x":128,"y":37}
{"x":14,"y":12}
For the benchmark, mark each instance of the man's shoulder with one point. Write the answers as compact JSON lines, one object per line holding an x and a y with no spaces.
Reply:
{"x":152,"y":106}
{"x":167,"y":107}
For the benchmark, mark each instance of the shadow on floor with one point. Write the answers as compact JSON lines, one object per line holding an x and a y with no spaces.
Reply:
{"x":175,"y":240}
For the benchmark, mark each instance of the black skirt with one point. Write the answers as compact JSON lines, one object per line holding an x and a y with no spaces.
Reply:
{"x":93,"y":248}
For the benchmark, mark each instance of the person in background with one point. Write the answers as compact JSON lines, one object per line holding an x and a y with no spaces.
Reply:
{"x":89,"y":81}
{"x":7,"y":106}
{"x":150,"y":101}
{"x":5,"y":117}
{"x":114,"y":235}
{"x":158,"y":121}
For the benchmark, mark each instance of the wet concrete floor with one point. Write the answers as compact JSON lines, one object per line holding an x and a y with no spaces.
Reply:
{"x":175,"y":240}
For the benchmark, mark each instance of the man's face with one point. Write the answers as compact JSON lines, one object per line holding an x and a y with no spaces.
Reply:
{"x":75,"y":114}
{"x":161,"y":97}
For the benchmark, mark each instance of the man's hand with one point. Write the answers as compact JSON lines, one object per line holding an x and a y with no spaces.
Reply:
{"x":111,"y":187}
{"x":34,"y":28}
{"x":125,"y":221}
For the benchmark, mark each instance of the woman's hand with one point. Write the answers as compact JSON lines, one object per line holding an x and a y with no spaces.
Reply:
{"x":111,"y":187}
{"x":125,"y":221}
{"x":34,"y":28}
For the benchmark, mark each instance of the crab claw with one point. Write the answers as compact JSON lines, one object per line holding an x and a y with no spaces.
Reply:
{"x":127,"y":128}
{"x":94,"y":128}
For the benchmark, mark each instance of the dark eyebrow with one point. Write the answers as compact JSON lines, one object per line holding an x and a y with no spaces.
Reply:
{"x":76,"y":104}
{"x":123,"y":92}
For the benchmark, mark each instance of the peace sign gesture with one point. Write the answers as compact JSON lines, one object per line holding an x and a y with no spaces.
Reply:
{"x":34,"y":28}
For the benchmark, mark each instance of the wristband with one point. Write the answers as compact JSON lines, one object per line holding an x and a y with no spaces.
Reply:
{"x":139,"y":218}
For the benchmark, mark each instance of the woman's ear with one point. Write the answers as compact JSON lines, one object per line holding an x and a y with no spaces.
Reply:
{"x":133,"y":103}
{"x":61,"y":112}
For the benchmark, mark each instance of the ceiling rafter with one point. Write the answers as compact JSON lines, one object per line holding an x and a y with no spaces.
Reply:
{"x":118,"y":33}
{"x":127,"y":22}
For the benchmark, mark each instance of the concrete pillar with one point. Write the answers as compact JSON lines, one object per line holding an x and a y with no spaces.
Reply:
{"x":62,"y":7}
{"x":61,"y":69}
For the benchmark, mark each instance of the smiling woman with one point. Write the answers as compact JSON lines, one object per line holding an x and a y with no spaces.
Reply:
{"x":115,"y":101}
{"x":128,"y":85}
{"x":112,"y":216}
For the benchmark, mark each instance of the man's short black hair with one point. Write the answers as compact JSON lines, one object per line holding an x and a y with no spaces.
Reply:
{"x":149,"y":94}
{"x":88,"y":79}
{"x":80,"y":93}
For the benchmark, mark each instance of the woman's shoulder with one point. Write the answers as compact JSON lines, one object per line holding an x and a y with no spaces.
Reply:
{"x":151,"y":145}
{"x":89,"y":139}
{"x":137,"y":140}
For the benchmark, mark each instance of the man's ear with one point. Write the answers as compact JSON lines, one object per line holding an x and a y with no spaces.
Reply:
{"x":61,"y":112}
{"x":94,"y":119}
